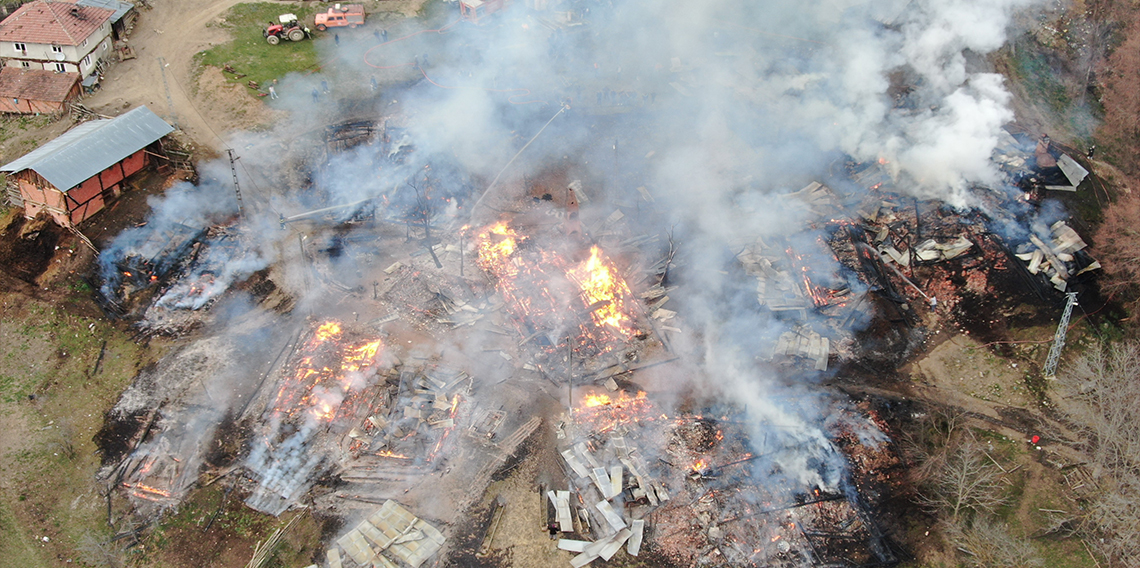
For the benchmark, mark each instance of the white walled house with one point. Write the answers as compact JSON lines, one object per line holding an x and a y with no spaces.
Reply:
{"x":56,"y":35}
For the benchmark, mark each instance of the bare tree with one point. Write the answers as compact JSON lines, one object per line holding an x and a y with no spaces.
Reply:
{"x":101,"y":553}
{"x":1104,"y":401}
{"x":989,"y":544}
{"x":962,"y":481}
{"x":962,"y":485}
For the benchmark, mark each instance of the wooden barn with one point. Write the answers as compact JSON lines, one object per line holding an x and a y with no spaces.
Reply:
{"x":73,"y":176}
{"x":35,"y":91}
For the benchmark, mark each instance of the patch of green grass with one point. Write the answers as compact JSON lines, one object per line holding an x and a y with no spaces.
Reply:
{"x":49,"y":475}
{"x":16,"y":551}
{"x":14,"y":125}
{"x":1066,"y":553}
{"x":248,"y":52}
{"x":1040,"y":79}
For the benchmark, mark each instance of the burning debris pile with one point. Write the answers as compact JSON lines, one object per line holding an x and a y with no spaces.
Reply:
{"x":574,"y":308}
{"x":349,"y":406}
{"x":160,"y":254}
{"x":907,"y":253}
{"x":165,"y":271}
{"x":328,"y":378}
{"x":694,"y":490}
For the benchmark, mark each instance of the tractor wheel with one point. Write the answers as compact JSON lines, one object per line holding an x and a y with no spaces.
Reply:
{"x":273,"y":40}
{"x":296,"y":35}
{"x":321,"y":27}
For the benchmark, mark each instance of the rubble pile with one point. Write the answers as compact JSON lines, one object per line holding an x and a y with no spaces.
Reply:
{"x":388,"y":538}
{"x":694,"y":490}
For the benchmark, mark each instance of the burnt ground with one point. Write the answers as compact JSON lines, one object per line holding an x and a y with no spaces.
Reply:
{"x":214,"y":528}
{"x":117,"y":437}
{"x":27,"y":246}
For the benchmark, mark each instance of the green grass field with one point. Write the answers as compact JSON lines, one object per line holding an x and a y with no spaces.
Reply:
{"x":249,"y":54}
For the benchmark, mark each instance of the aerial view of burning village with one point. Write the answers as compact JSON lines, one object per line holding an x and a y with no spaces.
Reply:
{"x":540,"y":283}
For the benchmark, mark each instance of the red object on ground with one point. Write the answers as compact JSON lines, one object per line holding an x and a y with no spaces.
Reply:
{"x":1035,"y":439}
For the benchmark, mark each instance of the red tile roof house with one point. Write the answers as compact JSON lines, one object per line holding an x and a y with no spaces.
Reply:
{"x":56,"y":35}
{"x":29,"y":91}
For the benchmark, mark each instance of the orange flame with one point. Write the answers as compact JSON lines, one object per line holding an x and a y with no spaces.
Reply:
{"x":539,"y":285}
{"x":599,"y":284}
{"x":146,"y":491}
{"x":496,"y":245}
{"x":328,"y":330}
{"x":605,"y":412}
{"x":593,"y":400}
{"x":336,"y":382}
{"x":393,"y":455}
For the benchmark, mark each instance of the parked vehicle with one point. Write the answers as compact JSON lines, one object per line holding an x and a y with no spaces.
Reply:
{"x":341,"y":15}
{"x":287,"y":29}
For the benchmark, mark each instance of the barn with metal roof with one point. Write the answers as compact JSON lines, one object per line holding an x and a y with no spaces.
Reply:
{"x":73,"y":176}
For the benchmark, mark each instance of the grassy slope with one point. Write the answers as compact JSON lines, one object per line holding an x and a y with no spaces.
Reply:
{"x":50,"y":462}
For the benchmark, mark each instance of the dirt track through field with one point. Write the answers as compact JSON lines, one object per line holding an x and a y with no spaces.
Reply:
{"x":173,"y":30}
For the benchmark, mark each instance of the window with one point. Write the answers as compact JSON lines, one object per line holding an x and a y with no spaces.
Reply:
{"x":21,"y":48}
{"x":57,"y":48}
{"x":60,"y":68}
{"x":84,"y":43}
{"x":87,"y":61}
{"x":26,"y":64}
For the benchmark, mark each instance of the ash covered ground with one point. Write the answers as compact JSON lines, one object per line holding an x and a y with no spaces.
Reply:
{"x":628,"y":249}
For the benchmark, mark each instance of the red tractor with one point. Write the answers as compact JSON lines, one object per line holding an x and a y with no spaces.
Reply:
{"x":287,"y":28}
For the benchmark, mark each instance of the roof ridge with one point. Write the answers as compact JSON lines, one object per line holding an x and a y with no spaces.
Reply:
{"x":56,"y":16}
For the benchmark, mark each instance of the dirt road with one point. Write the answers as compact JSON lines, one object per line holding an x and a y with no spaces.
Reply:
{"x":171,"y":32}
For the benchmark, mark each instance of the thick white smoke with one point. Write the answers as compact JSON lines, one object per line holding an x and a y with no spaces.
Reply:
{"x":733,"y":104}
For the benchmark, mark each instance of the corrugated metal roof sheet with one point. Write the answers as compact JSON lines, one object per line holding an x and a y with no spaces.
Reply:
{"x":120,"y":8}
{"x":92,"y":147}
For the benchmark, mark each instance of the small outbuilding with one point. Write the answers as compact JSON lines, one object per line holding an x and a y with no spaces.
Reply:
{"x":75,"y":175}
{"x":34,"y":91}
{"x":123,"y":18}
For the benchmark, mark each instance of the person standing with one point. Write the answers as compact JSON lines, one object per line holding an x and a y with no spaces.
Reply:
{"x":336,"y":38}
{"x":272,"y":92}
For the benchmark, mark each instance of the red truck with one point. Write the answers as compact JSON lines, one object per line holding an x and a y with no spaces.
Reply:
{"x":341,"y":15}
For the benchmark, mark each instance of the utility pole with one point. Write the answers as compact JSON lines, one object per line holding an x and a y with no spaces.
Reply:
{"x":169,"y":101}
{"x":237,"y":188}
{"x":1059,"y":338}
{"x":570,"y":374}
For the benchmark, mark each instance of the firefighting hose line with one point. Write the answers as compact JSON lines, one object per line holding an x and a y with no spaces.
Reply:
{"x":443,"y":30}
{"x":517,"y":154}
{"x":510,"y":99}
